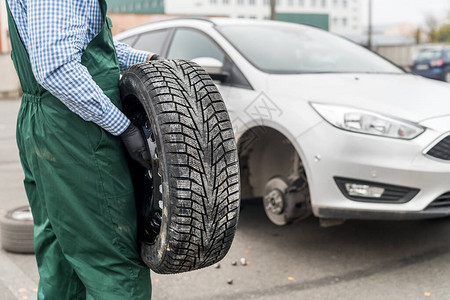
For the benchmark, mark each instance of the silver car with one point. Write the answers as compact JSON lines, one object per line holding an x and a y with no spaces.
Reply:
{"x":324,"y":126}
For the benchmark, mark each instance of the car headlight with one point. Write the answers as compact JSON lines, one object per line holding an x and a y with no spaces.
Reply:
{"x":362,"y":121}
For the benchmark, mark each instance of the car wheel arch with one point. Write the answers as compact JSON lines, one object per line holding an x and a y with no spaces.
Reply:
{"x":258,"y":144}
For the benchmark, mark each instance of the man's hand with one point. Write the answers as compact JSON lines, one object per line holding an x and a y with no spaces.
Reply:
{"x":135,"y":144}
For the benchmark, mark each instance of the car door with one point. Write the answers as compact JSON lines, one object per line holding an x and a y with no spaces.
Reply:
{"x":191,"y":44}
{"x":154,"y":41}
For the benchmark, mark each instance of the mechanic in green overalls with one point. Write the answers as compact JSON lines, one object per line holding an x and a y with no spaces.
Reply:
{"x":70,"y":133}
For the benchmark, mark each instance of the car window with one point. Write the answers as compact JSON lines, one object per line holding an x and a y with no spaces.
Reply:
{"x":288,"y":48}
{"x":428,"y":54}
{"x":129,"y":40}
{"x":189,"y":44}
{"x":152,"y":41}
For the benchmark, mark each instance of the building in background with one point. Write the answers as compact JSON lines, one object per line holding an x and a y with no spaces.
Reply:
{"x":342,"y":17}
{"x":132,"y":13}
{"x":136,"y":6}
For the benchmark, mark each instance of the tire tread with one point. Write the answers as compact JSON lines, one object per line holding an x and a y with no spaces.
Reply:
{"x":202,"y":163}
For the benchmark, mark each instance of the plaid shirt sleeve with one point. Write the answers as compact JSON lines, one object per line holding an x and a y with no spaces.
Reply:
{"x":129,"y":56}
{"x":58,"y":34}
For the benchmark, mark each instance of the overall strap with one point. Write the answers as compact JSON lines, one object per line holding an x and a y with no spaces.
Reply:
{"x":100,"y":58}
{"x":104,"y":7}
{"x":21,"y":59}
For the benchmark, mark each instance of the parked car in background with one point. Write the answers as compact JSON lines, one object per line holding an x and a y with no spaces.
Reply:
{"x":432,"y":62}
{"x":323,"y":125}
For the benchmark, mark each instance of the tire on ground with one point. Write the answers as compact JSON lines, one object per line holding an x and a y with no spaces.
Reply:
{"x":197,"y":163}
{"x":17,"y":230}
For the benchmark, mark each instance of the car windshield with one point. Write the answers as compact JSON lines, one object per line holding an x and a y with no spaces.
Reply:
{"x":288,"y":48}
{"x":428,"y":54}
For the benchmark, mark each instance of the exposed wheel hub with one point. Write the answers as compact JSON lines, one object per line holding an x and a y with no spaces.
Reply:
{"x":285,"y":200}
{"x":274,"y":202}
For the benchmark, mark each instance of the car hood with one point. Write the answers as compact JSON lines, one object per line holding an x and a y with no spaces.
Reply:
{"x":403,"y":96}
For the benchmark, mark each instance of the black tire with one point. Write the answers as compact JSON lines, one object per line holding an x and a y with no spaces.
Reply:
{"x":195,"y":171}
{"x":17,"y":231}
{"x":447,"y":76}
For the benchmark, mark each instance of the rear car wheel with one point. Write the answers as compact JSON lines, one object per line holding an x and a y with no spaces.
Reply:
{"x":188,"y":202}
{"x":17,"y":230}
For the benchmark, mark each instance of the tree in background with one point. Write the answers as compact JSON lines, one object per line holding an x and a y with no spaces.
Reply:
{"x":433,"y":25}
{"x":443,"y":34}
{"x":444,"y":31}
{"x":273,"y":13}
{"x":418,"y":35}
{"x":438,"y":32}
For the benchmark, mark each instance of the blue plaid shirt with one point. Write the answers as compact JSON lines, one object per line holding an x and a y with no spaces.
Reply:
{"x":55,"y":34}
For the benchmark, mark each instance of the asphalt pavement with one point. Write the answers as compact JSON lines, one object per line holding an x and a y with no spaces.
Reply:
{"x":357,"y":260}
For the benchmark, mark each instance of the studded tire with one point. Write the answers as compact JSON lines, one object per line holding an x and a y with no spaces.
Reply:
{"x":195,"y":171}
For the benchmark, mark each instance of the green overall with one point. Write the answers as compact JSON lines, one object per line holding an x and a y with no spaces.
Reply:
{"x":79,"y":187}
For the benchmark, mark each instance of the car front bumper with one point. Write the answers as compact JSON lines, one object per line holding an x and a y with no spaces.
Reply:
{"x":332,"y":152}
{"x":331,"y":213}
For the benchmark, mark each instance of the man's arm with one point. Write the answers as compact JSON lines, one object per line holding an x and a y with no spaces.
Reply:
{"x":57,"y":30}
{"x":128,"y":56}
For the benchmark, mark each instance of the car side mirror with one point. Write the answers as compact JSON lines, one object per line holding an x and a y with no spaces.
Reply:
{"x":213,"y":67}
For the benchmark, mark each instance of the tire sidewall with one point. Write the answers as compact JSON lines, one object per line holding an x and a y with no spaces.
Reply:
{"x":447,"y":76}
{"x":16,"y":234}
{"x":157,"y":253}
